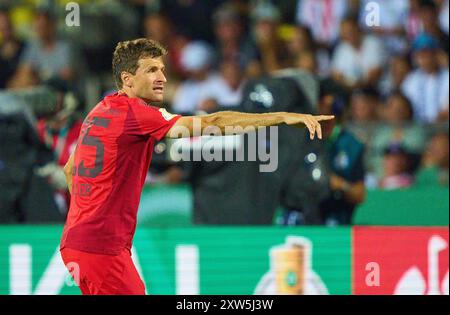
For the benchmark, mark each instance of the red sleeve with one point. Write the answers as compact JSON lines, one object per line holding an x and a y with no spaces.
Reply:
{"x":149,"y":120}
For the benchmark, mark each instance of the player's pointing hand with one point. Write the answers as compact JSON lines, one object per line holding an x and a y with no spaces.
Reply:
{"x":309,"y":121}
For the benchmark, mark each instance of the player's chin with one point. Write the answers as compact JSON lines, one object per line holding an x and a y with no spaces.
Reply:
{"x":157,"y":97}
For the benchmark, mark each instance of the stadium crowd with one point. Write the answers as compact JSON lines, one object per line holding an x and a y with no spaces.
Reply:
{"x":388,"y":58}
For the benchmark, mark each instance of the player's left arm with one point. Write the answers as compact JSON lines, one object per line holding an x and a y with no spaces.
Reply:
{"x":225,"y":119}
{"x":68,"y":171}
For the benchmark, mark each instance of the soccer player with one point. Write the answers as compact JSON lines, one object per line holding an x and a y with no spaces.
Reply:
{"x":106,"y":172}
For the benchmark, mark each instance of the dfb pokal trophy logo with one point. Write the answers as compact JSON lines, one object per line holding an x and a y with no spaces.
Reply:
{"x":291,"y":270}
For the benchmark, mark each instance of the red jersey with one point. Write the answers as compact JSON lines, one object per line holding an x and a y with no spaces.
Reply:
{"x":111,"y":161}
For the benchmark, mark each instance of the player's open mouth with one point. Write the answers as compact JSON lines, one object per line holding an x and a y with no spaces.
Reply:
{"x":158,"y":89}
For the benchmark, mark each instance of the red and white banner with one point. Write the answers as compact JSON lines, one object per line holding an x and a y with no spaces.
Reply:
{"x":400,"y":260}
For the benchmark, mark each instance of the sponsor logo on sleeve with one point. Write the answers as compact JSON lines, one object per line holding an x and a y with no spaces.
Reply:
{"x":167,"y":116}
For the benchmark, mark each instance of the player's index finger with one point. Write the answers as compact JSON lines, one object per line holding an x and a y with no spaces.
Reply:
{"x":319,"y":131}
{"x":324,"y":117}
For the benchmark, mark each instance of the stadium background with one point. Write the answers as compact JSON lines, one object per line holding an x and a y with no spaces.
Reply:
{"x":402,"y":224}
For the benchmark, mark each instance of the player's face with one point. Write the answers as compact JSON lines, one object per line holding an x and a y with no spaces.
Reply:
{"x":148,"y":82}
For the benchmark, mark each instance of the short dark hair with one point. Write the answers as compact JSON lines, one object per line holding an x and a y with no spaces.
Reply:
{"x":127,"y":54}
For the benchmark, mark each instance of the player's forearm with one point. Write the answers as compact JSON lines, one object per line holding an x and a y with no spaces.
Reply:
{"x":229,"y":122}
{"x":225,"y":119}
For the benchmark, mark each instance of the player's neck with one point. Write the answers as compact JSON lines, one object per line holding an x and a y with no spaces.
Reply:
{"x":130,"y":94}
{"x":127,"y":91}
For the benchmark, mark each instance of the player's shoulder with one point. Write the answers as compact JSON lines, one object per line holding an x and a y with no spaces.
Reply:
{"x":153,"y":111}
{"x":121,"y":102}
{"x":110,"y":105}
{"x":116,"y":99}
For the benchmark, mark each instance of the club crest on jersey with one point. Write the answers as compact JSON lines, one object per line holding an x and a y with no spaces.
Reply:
{"x":167,"y":116}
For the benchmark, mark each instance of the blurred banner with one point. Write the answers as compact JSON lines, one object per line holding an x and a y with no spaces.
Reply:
{"x":244,"y":261}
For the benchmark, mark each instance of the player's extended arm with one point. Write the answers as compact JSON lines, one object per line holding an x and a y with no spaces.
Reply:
{"x":68,"y":172}
{"x":225,"y":119}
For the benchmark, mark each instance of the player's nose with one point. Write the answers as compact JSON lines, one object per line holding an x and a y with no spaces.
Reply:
{"x":162,"y":77}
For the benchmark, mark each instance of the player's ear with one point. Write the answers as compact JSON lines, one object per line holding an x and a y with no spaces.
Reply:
{"x":126,"y":78}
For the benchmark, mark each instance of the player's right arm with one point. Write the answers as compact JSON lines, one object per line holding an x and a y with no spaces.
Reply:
{"x":68,"y":171}
{"x":225,"y":119}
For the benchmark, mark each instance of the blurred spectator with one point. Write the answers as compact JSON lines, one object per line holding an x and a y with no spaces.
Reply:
{"x":398,"y":128}
{"x":59,"y":132}
{"x":323,"y":17}
{"x":231,"y":40}
{"x":45,"y":56}
{"x":399,"y":68}
{"x":225,"y":88}
{"x":435,"y":162}
{"x":346,"y":155}
{"x":359,"y":59}
{"x":413,"y":25}
{"x":364,"y":106}
{"x":429,"y":16}
{"x":399,"y":117}
{"x":306,"y":54}
{"x":194,"y":16}
{"x":158,"y":26}
{"x":444,"y":14}
{"x":427,"y":86}
{"x":396,"y":164}
{"x":398,"y":109}
{"x":307,"y":61}
{"x":288,"y":10}
{"x":18,"y":155}
{"x":10,"y":49}
{"x":272,"y":49}
{"x":393,"y":16}
{"x":197,"y":59}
